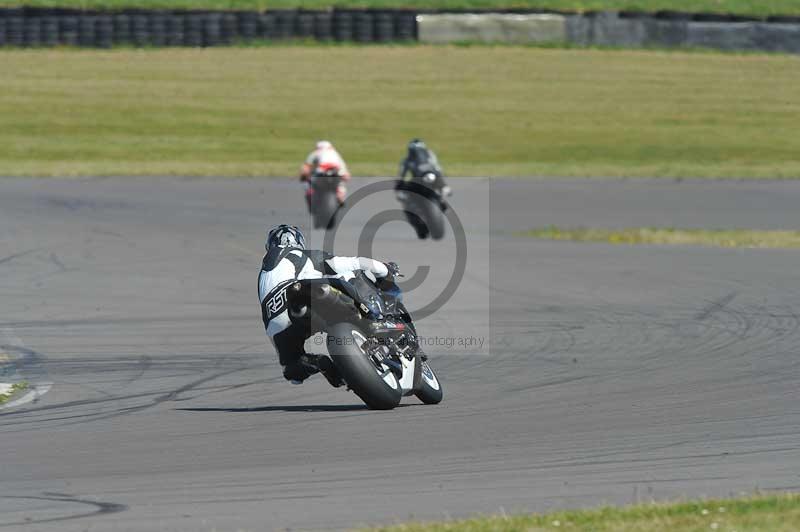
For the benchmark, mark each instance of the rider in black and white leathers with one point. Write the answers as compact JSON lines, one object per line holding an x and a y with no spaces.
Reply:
{"x":286,"y":261}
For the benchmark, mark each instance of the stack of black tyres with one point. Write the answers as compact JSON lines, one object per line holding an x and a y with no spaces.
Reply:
{"x":212,"y":29}
{"x":248,"y":25}
{"x":343,"y":25}
{"x":32,"y":31}
{"x":68,"y":30}
{"x":122,"y":28}
{"x":15,"y":29}
{"x":140,"y":29}
{"x":363,"y":26}
{"x":229,"y":28}
{"x":175,"y":24}
{"x":384,"y":27}
{"x":104,"y":31}
{"x":323,"y":26}
{"x":304,"y":25}
{"x":43,"y":27}
{"x":405,"y":26}
{"x":266,"y":24}
{"x":193,"y":30}
{"x":284,"y":24}
{"x":49,"y":30}
{"x":157,"y":29}
{"x":86,"y":30}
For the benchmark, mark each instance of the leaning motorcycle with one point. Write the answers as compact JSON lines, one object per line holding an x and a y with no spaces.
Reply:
{"x":371,"y":338}
{"x":424,"y":205}
{"x":324,"y":205}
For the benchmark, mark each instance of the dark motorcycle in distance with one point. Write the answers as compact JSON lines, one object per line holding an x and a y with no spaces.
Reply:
{"x":424,"y":204}
{"x":371,"y":338}
{"x":324,"y":205}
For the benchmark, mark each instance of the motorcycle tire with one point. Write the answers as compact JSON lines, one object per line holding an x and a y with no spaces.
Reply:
{"x":434,"y":218}
{"x":377,"y":386}
{"x":429,"y":390}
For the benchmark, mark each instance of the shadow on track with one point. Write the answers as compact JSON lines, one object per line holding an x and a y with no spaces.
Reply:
{"x":292,"y":408}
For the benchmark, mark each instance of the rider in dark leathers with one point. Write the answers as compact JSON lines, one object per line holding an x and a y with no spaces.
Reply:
{"x":419,"y":162}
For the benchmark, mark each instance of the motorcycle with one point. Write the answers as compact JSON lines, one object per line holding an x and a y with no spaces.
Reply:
{"x":424,"y":205}
{"x":324,"y":205}
{"x":371,"y":338}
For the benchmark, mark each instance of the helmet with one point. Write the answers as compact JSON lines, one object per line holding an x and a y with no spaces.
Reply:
{"x":416,"y":144}
{"x":324,"y":145}
{"x":417,"y":151}
{"x":284,"y":236}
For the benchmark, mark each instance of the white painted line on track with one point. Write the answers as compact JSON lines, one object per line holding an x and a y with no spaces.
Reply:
{"x":35,"y":389}
{"x":38,"y":390}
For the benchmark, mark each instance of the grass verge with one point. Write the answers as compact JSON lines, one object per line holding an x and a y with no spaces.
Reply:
{"x":13,"y":390}
{"x":741,"y":7}
{"x":491,"y":111}
{"x":725,"y":238}
{"x":762,"y":513}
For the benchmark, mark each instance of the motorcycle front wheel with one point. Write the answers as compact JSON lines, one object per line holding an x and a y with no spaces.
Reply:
{"x":429,"y":390}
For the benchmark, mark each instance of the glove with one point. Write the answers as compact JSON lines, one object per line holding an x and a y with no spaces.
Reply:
{"x":394,"y":270}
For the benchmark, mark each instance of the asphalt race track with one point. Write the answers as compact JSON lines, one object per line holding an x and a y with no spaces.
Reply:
{"x":606,"y":374}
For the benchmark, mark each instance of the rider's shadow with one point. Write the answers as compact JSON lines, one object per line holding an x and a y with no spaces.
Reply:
{"x":284,"y":408}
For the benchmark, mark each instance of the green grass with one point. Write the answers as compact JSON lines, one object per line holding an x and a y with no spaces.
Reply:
{"x":726,"y":238}
{"x":744,"y":7}
{"x":15,"y":389}
{"x":497,"y":111}
{"x":761,"y":513}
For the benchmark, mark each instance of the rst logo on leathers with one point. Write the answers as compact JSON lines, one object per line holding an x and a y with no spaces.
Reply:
{"x":277,"y":303}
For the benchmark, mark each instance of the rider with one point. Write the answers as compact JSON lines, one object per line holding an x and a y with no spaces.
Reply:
{"x":419,"y":161}
{"x":286,"y":261}
{"x":323,"y":159}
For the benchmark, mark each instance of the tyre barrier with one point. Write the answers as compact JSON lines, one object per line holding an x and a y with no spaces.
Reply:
{"x":363,"y":27}
{"x":248,"y":25}
{"x":35,"y":27}
{"x":174,"y":28}
{"x":68,"y":30}
{"x":122,"y":29}
{"x":323,"y":26}
{"x":157,"y":29}
{"x":343,"y":26}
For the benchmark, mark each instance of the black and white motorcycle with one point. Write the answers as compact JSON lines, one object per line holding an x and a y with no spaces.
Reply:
{"x":424,"y":204}
{"x":371,"y":338}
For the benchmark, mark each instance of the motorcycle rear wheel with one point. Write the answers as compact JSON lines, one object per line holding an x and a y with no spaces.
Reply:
{"x":375,"y":384}
{"x":326,"y":207}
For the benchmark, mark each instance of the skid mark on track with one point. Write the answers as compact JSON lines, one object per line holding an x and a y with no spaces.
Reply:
{"x":715,"y":306}
{"x":9,"y":258}
{"x":100,"y":508}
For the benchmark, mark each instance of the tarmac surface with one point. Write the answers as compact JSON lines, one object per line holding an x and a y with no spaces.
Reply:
{"x":574,"y":374}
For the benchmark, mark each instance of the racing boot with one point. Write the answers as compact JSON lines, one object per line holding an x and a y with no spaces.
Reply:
{"x":325,"y":366}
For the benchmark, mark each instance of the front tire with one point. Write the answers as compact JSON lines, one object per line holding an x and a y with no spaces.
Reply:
{"x":429,"y":390}
{"x":434,"y":218}
{"x":376,"y":385}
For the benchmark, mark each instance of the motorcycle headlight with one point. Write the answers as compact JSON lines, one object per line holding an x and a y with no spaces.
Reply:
{"x":429,"y":177}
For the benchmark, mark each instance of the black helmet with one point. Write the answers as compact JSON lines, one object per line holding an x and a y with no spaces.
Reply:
{"x":283,"y":236}
{"x":417,"y":151}
{"x":415,"y":144}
